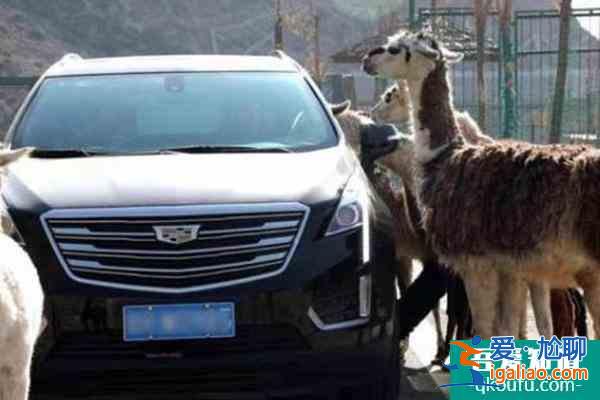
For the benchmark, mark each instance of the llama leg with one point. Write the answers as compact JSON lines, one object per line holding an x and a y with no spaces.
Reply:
{"x":563,"y":312}
{"x":462,"y":312}
{"x":523,"y":323}
{"x":580,"y":312}
{"x":540,"y":301}
{"x":451,"y":325}
{"x":15,"y":374}
{"x":14,"y":383}
{"x":438,"y":326}
{"x":444,"y":351}
{"x":591,"y":293}
{"x":511,"y":303}
{"x":462,"y":328}
{"x":481,"y":284}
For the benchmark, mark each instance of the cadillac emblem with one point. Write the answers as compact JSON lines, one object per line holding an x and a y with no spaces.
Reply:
{"x":176,"y":234}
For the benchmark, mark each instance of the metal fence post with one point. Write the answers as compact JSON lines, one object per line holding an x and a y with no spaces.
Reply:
{"x":337,"y":88}
{"x":412,"y":12}
{"x":558,"y":102}
{"x":509,"y":73}
{"x":349,"y":88}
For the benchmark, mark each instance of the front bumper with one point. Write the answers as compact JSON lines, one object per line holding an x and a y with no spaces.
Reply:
{"x":278,"y":346}
{"x":279,"y":343}
{"x":268,"y":374}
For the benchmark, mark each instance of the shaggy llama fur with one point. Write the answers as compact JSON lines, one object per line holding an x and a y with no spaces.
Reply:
{"x":409,"y":238}
{"x":394,"y":106}
{"x":21,"y":307}
{"x":500,"y":213}
{"x":408,"y":242}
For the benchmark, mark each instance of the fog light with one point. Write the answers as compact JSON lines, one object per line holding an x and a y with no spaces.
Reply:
{"x":361,"y":316}
{"x":364,"y":296}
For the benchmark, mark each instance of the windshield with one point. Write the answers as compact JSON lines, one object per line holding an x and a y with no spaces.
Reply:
{"x":150,"y":112}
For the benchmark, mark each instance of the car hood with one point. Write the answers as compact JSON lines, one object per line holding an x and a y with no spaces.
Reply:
{"x":177,"y":179}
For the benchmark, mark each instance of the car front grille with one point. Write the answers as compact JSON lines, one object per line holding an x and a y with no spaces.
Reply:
{"x":224,"y":244}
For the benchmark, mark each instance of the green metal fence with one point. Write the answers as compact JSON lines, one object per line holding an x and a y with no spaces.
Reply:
{"x":523,"y":69}
{"x":528,"y":61}
{"x":536,"y":37}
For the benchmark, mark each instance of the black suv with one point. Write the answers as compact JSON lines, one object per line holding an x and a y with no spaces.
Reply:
{"x":199,"y":224}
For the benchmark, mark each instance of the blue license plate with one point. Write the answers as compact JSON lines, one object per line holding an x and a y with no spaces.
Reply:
{"x":178,"y":322}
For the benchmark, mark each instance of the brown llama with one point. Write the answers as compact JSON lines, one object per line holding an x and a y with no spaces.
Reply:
{"x":394,"y":106}
{"x":409,"y":238}
{"x":409,"y":245}
{"x":503,"y":213}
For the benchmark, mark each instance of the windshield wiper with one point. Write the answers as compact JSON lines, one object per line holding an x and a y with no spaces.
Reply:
{"x":73,"y":153}
{"x":62,"y":153}
{"x":227,"y":149}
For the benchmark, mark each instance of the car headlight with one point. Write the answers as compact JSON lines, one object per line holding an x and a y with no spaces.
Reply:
{"x":7,"y":225}
{"x":353,"y":212}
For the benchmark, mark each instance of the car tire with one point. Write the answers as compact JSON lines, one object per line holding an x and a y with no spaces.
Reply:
{"x":391,"y":384}
{"x":387,"y":388}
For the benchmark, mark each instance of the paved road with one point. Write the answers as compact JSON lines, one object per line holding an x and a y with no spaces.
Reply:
{"x":418,"y":381}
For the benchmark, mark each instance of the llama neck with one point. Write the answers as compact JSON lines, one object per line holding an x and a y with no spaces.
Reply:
{"x":433,"y":114}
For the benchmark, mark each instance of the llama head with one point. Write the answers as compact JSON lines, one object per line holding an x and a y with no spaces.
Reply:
{"x":9,"y":156}
{"x":393,"y":105}
{"x":400,"y":161}
{"x":351,"y":122}
{"x":407,"y":55}
{"x":470,"y":129}
{"x":381,"y":142}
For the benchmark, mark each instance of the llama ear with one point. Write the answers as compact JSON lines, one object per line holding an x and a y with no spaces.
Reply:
{"x":9,"y":156}
{"x":427,"y":51}
{"x":340,"y":108}
{"x":452,"y":57}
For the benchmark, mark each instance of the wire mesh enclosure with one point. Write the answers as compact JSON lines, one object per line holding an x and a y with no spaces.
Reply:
{"x":536,"y":39}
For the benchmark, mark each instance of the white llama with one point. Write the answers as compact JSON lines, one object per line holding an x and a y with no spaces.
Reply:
{"x":21,"y":307}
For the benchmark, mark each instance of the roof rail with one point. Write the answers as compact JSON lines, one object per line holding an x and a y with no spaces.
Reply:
{"x":70,"y":57}
{"x":279,"y":54}
{"x":283,"y":56}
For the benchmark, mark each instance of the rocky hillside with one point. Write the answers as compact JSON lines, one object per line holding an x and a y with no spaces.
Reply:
{"x":46,"y":29}
{"x":35,"y":33}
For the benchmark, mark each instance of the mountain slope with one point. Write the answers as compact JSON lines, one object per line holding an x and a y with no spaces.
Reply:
{"x":34,"y":33}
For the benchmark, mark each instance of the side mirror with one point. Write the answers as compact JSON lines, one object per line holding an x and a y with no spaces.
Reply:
{"x":377,"y":141}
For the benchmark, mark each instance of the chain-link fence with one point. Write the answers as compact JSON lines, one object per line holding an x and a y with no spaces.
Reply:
{"x":536,"y":38}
